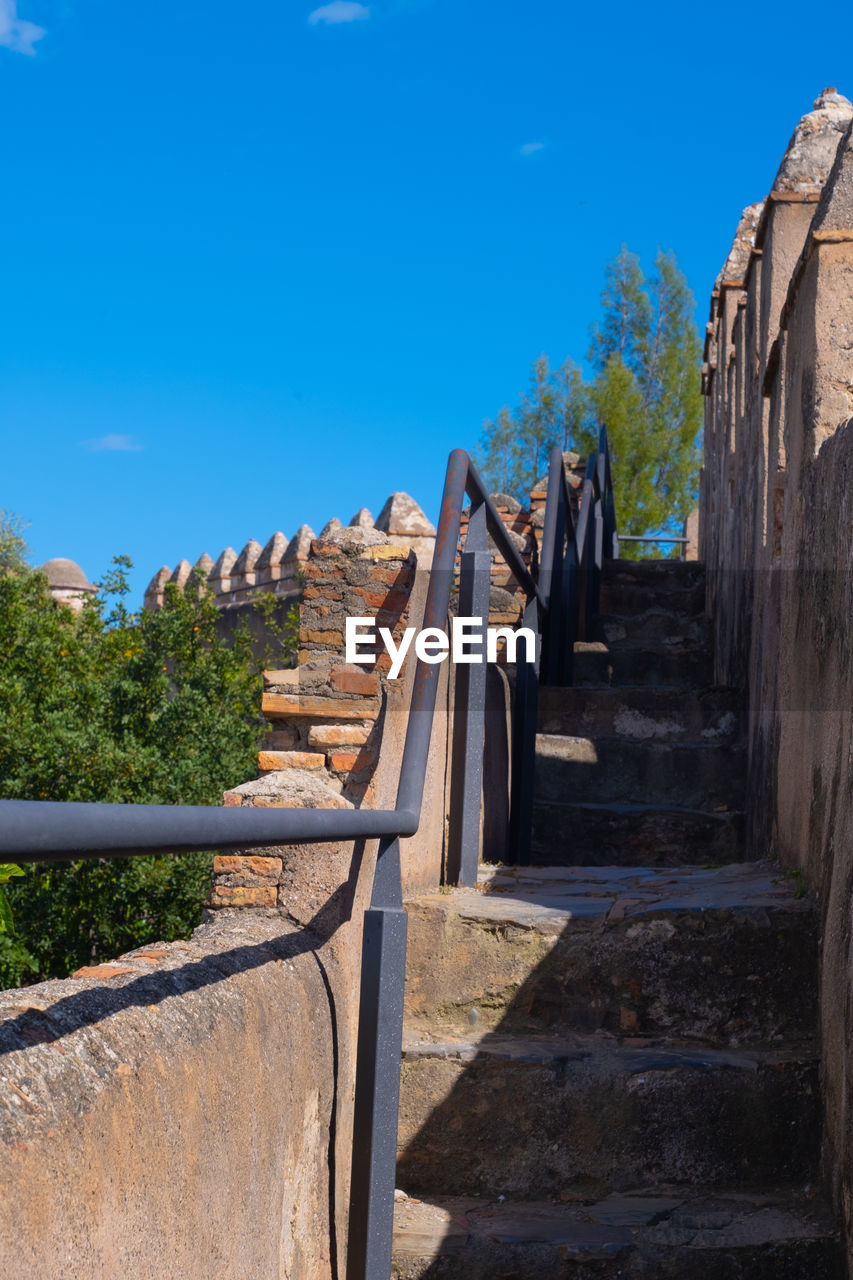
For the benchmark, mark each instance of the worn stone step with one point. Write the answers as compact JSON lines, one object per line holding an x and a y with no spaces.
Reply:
{"x":529,"y":1117}
{"x":610,"y":770}
{"x":658,"y":574}
{"x":654,"y":628}
{"x":724,"y":956}
{"x":597,"y":664}
{"x":654,"y":1234}
{"x":626,"y":599}
{"x":632,"y":835}
{"x":641,"y":715}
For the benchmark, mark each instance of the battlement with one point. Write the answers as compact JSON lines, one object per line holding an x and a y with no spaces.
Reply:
{"x":276,"y":567}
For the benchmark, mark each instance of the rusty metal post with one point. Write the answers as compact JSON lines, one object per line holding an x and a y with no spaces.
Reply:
{"x":469,"y":714}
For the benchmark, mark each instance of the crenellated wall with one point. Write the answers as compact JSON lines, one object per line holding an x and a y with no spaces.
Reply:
{"x":276,"y":567}
{"x":777,"y":535}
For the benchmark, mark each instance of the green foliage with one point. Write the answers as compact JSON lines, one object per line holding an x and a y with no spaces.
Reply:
{"x":554,"y":410}
{"x":111,"y":706}
{"x":7,"y":871}
{"x":645,"y":358}
{"x":13,"y":547}
{"x":646,"y":354}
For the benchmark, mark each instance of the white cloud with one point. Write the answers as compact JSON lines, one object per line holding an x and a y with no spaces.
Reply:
{"x":15,"y":33}
{"x":339,"y":11}
{"x":112,"y":444}
{"x":530,"y":148}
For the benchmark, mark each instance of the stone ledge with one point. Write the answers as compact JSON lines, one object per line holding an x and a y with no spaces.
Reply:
{"x":271,"y":760}
{"x":287,"y":705}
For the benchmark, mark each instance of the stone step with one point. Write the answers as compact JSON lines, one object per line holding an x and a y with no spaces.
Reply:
{"x":725,"y":956}
{"x":612,"y":771}
{"x":597,"y":664}
{"x":654,"y":628}
{"x":529,"y":1117}
{"x":626,"y":599}
{"x":641,"y":715}
{"x":672,"y":574}
{"x":633,"y":835}
{"x":655,"y":1233}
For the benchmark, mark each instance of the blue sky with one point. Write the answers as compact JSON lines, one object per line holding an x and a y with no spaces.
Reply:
{"x":264,"y":264}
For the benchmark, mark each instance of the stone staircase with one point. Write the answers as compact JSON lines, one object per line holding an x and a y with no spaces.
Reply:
{"x":609,"y":1062}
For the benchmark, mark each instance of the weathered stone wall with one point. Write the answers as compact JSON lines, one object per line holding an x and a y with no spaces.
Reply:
{"x":777,"y":533}
{"x":276,"y":568}
{"x":338,"y":729}
{"x":184,"y":1112}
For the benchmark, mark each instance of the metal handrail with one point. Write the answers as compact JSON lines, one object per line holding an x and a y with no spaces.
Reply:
{"x":649,"y":537}
{"x":573,"y":556}
{"x":48,"y":830}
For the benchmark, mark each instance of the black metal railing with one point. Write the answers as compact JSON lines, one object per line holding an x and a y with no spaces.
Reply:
{"x":559,"y":605}
{"x":575,"y":544}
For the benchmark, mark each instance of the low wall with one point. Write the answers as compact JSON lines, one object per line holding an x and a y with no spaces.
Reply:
{"x":777,"y":534}
{"x":182,"y":1112}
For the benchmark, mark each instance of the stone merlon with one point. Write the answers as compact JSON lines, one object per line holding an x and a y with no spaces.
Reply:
{"x":402,"y":515}
{"x":811,"y":151}
{"x":734,"y":269}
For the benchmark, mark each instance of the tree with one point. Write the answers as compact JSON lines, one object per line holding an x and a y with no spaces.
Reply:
{"x":13,"y":547}
{"x":573,"y":410}
{"x":626,"y":322}
{"x":112,"y":706}
{"x":537,"y":418}
{"x":517,"y":443}
{"x":644,"y":356}
{"x":498,"y":456}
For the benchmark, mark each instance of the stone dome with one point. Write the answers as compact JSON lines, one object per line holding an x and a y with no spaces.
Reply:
{"x":66,"y":574}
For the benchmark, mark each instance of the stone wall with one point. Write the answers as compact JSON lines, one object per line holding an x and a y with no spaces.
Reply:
{"x":777,"y":535}
{"x":184,"y":1112}
{"x":276,"y":568}
{"x":338,"y":729}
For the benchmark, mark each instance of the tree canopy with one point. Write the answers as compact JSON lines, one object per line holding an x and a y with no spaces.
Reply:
{"x":644,"y":387}
{"x":108,"y":705}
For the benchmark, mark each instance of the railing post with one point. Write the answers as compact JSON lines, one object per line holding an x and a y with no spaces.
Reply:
{"x":596,"y":538}
{"x":585,"y":557}
{"x":377,"y":1075}
{"x":611,"y":540}
{"x":551,"y":569}
{"x":524,"y":718}
{"x":469,"y":713}
{"x":568,"y":631}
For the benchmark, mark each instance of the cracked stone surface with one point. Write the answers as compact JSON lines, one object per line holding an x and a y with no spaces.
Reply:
{"x":646,"y":1234}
